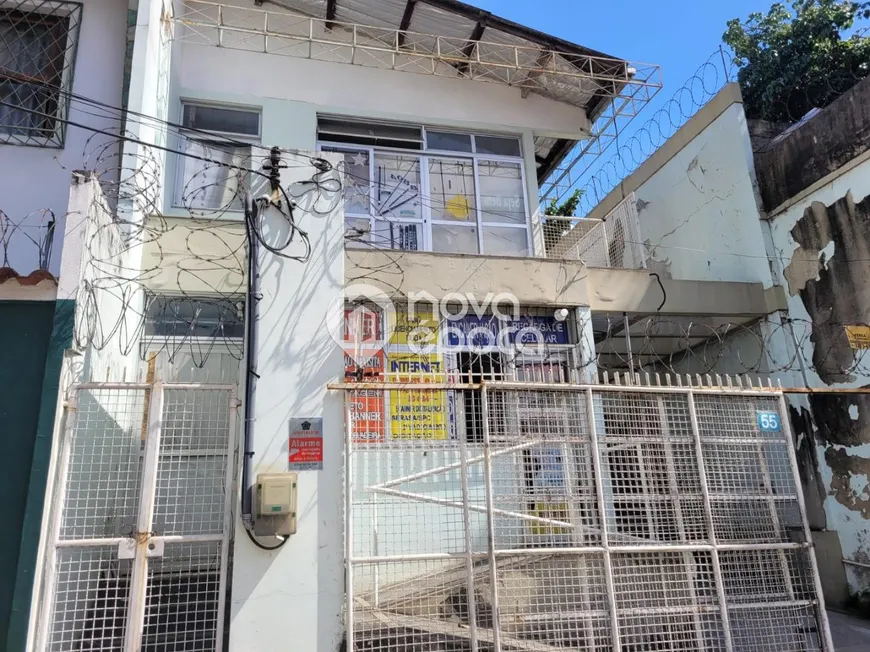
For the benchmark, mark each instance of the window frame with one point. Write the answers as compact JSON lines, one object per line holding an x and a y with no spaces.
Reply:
{"x":235,"y":299}
{"x":210,"y":137}
{"x":427,"y":221}
{"x":66,"y":15}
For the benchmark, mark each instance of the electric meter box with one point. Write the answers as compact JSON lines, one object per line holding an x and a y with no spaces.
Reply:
{"x":276,"y":504}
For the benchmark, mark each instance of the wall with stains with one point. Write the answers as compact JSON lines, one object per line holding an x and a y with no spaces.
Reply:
{"x":697,"y":199}
{"x":820,"y":244}
{"x":698,"y":211}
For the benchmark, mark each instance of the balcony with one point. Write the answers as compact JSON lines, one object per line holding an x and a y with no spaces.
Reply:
{"x":611,"y":242}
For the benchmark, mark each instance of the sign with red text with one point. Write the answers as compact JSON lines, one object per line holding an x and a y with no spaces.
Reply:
{"x":306,"y":444}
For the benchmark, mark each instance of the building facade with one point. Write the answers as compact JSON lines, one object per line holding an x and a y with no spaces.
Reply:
{"x":320,"y":237}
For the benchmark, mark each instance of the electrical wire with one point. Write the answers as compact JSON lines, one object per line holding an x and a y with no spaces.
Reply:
{"x":260,"y":545}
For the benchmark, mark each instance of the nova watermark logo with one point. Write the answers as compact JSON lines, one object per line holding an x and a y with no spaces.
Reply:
{"x":423,"y":325}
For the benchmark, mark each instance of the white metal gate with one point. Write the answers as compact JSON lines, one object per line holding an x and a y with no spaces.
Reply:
{"x":598,"y":517}
{"x":141,"y":520}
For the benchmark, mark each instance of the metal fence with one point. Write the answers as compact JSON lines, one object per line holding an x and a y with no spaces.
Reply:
{"x":614,"y":241}
{"x":140,"y":522}
{"x":553,"y":516}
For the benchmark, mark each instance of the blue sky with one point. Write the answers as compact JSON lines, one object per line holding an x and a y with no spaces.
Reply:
{"x":678,"y":35}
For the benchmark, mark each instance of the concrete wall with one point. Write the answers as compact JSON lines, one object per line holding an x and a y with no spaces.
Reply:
{"x":300,"y":587}
{"x":697,"y":199}
{"x":537,"y":282}
{"x":291,"y":91}
{"x":821,"y":244}
{"x":829,"y":141}
{"x":362,"y":89}
{"x":98,"y":272}
{"x":37,"y":178}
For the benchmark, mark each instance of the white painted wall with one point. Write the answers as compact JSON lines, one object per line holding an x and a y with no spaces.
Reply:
{"x":358,"y":90}
{"x":293,"y":596}
{"x":36,"y":178}
{"x":291,"y":91}
{"x":698,"y":213}
{"x":97,"y":274}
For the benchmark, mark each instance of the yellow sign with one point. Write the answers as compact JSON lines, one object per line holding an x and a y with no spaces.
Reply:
{"x":421,"y":329}
{"x":551,"y":511}
{"x":459,"y":207}
{"x":417,"y":414}
{"x":859,"y":336}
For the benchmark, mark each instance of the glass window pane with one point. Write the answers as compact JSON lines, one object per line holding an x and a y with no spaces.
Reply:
{"x":502,"y":192}
{"x":388,"y":234}
{"x":451,"y":189}
{"x":195,"y":317}
{"x":510,"y":242}
{"x":210,"y":185}
{"x":448,"y":141}
{"x":215,"y":118}
{"x":370,"y":133}
{"x":356,"y":180}
{"x":498,"y":146}
{"x":447,"y":238}
{"x":397,"y":186}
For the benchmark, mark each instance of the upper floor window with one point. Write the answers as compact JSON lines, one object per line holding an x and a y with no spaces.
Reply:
{"x":211,"y":176}
{"x":415,"y":188}
{"x":37,"y":54}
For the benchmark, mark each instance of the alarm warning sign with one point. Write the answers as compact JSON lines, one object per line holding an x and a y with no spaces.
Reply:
{"x":305,"y":445}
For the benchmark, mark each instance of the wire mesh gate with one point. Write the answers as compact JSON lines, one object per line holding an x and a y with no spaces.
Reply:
{"x":141,"y":520}
{"x":593,"y":518}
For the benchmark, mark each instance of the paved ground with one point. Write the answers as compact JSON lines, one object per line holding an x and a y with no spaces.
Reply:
{"x":850,"y":634}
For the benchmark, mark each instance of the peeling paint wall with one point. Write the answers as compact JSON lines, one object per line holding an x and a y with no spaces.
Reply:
{"x":821,"y":251}
{"x":698,"y":213}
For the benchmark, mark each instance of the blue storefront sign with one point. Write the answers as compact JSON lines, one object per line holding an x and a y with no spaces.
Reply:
{"x":489,"y":331}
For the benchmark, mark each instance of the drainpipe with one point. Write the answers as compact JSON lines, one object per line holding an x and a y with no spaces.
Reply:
{"x":251,"y":375}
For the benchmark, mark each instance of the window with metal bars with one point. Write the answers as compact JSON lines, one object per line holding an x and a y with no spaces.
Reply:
{"x":38,"y":41}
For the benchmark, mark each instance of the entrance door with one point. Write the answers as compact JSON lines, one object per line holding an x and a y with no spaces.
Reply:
{"x":141,"y":521}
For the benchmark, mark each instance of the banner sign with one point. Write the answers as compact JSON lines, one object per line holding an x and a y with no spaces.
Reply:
{"x":367,"y":415}
{"x":416,"y":414}
{"x":421,"y":329}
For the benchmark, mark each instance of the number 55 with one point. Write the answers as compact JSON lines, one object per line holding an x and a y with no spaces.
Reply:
{"x":768,"y":421}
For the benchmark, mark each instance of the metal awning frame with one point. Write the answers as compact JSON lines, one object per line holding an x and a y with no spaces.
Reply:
{"x":612,"y":91}
{"x":544,"y":71}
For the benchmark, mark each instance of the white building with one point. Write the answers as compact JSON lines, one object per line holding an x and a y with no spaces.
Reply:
{"x":414,"y":138}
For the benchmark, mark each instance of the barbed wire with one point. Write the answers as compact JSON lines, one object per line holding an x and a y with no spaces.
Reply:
{"x":709,"y":78}
{"x":21,"y":238}
{"x":222,"y":203}
{"x":206,"y":309}
{"x":769,"y":345}
{"x":719,"y":69}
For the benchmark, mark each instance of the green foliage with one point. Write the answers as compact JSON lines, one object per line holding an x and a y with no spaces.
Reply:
{"x":798,"y":57}
{"x":555,"y":229}
{"x":567,"y":207}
